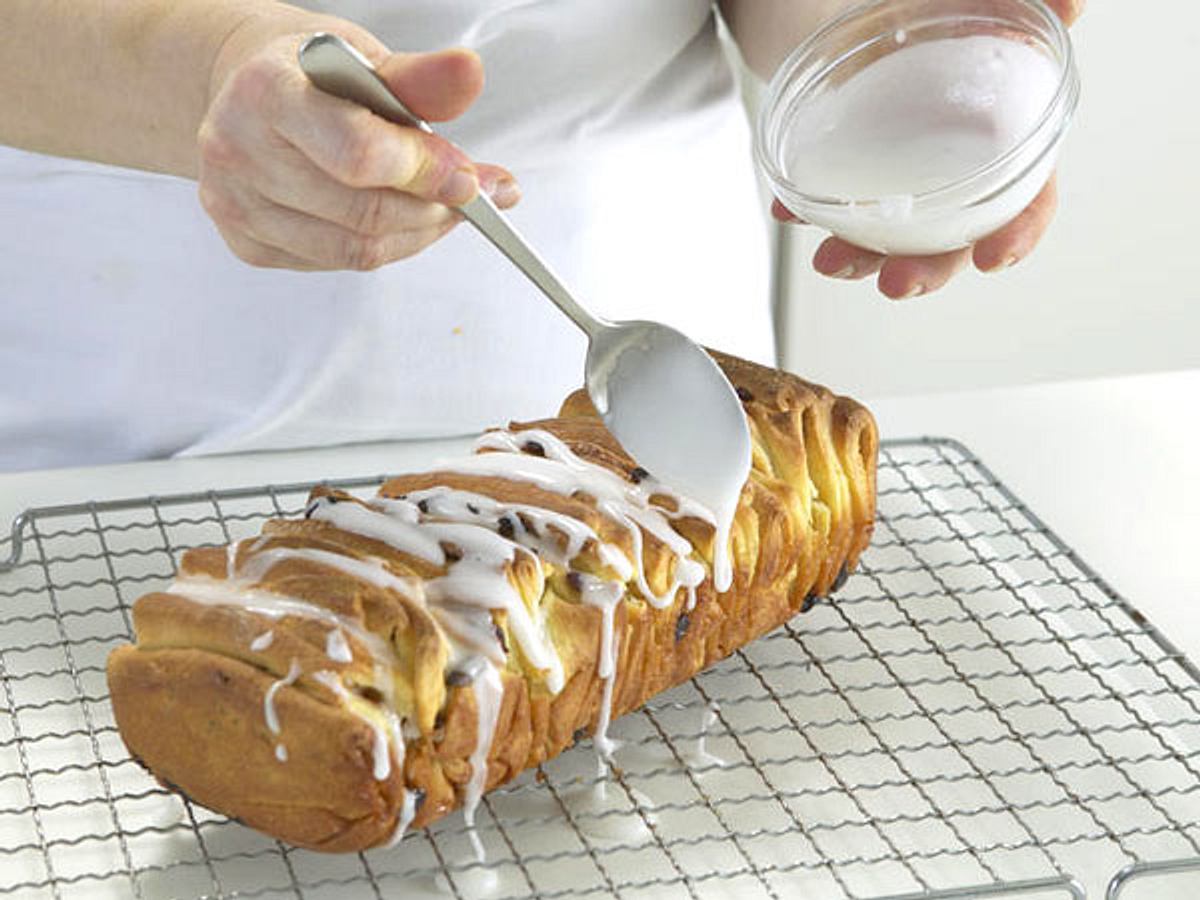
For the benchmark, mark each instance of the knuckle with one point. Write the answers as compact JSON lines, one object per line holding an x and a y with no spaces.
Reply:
{"x":362,"y":158}
{"x":216,"y":148}
{"x":370,"y":213}
{"x":259,"y":86}
{"x":220,"y":205}
{"x":253,"y":81}
{"x":416,"y":164}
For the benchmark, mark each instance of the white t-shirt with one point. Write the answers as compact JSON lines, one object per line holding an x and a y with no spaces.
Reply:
{"x":128,"y":330}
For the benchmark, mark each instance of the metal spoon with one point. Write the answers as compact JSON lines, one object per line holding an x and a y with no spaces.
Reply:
{"x":660,"y":394}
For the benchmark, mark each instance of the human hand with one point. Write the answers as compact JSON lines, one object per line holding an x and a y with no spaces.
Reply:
{"x":295,"y":178}
{"x":901,"y":277}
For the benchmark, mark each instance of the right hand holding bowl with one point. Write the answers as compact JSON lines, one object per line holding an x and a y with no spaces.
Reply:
{"x":920,"y":133}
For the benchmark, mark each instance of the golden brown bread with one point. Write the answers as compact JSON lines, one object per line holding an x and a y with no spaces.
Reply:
{"x":327,"y":682}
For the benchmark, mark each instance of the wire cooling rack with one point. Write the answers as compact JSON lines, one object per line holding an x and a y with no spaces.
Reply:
{"x":976,"y":714}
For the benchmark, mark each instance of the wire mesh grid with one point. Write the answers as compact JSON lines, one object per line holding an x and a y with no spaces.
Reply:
{"x":975,"y":714}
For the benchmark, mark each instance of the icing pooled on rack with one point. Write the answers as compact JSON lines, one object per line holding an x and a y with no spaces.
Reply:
{"x":700,"y":756}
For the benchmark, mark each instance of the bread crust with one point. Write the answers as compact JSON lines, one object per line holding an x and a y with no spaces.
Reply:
{"x":190,"y":695}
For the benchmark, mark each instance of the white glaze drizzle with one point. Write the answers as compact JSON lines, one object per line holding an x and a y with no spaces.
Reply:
{"x":604,"y":595}
{"x":479,"y":578}
{"x":263,"y":641}
{"x":336,"y":646}
{"x":489,"y":693}
{"x":386,"y":736}
{"x":408,"y":812}
{"x":214,"y":592}
{"x":478,"y":582}
{"x":371,"y":571}
{"x":399,"y":528}
{"x":480,"y":509}
{"x":562,"y":472}
{"x":269,"y":712}
{"x":469,"y":630}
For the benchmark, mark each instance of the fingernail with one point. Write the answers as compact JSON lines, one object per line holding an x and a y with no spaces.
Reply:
{"x":505,"y":192}
{"x":460,"y":187}
{"x":1007,"y":263}
{"x":915,"y":291}
{"x":847,"y":272}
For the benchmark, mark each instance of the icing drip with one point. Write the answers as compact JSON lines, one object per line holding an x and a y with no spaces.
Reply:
{"x":604,"y":595}
{"x":722,"y":558}
{"x":263,"y":641}
{"x":408,"y":812}
{"x":700,"y":755}
{"x":336,"y":647}
{"x":469,"y":630}
{"x":479,"y":578}
{"x":489,"y":693}
{"x":386,"y":735}
{"x":269,"y":712}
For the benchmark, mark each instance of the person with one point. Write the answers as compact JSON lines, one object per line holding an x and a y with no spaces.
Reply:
{"x":351,"y":308}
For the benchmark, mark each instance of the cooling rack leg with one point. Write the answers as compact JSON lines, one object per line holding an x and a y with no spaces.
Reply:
{"x":1148,"y":870}
{"x":14,"y":553}
{"x":1066,"y":884}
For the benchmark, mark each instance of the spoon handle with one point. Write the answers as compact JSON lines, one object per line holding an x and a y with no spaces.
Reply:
{"x":337,"y":68}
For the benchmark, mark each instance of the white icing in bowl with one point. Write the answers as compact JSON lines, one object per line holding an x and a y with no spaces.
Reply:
{"x":919,"y":126}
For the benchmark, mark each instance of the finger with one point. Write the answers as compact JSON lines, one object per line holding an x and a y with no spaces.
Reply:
{"x":436,"y":86}
{"x":1068,"y":10}
{"x":1017,"y":239}
{"x":499,"y":184}
{"x":362,"y":150}
{"x":294,"y":182}
{"x":781,"y":213}
{"x":902,"y":277}
{"x":330,"y":246}
{"x":264,"y":256}
{"x":837,"y":258}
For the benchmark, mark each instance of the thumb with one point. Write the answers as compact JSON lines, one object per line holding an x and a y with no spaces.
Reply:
{"x":435,"y":86}
{"x":1068,"y":10}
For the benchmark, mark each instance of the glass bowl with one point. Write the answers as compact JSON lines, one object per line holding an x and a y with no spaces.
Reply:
{"x":926,"y":152}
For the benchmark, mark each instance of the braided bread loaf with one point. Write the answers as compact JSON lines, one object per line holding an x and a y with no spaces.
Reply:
{"x":376,"y":664}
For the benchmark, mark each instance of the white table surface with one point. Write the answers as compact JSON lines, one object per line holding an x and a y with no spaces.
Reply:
{"x":1108,"y":464}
